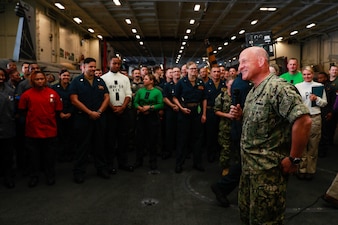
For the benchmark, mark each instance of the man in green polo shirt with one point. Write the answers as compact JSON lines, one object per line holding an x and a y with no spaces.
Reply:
{"x":293,"y":76}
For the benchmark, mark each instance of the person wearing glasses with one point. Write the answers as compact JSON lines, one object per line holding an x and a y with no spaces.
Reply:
{"x":191,"y":98}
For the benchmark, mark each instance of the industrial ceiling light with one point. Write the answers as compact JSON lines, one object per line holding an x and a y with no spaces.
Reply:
{"x":90,"y":30}
{"x":100,"y":36}
{"x":254,"y":22}
{"x":241,"y":32}
{"x":59,"y":5}
{"x":128,"y":21}
{"x":192,"y":21}
{"x":310,"y":25}
{"x":134,"y":30}
{"x":294,"y":32}
{"x":271,"y":9}
{"x":117,"y":2}
{"x":77,"y":20}
{"x":197,"y":7}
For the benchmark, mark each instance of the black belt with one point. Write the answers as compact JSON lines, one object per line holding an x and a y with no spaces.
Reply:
{"x":191,"y":104}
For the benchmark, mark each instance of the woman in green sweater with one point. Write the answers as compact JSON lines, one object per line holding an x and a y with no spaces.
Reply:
{"x":148,"y":101}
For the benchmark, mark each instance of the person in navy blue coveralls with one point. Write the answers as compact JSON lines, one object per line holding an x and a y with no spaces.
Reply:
{"x":65,"y":119}
{"x":171,"y":110}
{"x":190,"y":96}
{"x":213,"y":87}
{"x":90,"y":96}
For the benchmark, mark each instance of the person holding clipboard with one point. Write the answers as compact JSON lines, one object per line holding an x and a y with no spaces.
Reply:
{"x":314,"y":97}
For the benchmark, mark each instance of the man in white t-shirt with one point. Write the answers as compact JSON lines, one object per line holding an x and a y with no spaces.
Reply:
{"x":117,"y":117}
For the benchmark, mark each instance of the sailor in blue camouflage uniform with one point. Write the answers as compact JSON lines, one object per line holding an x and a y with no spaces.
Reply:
{"x":213,"y":87}
{"x":190,"y":96}
{"x":273,"y":113}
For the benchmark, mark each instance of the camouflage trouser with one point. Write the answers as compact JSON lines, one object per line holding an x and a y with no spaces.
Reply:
{"x":261,"y":197}
{"x":224,"y":155}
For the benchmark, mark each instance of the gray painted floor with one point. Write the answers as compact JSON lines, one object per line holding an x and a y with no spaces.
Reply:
{"x":143,"y":198}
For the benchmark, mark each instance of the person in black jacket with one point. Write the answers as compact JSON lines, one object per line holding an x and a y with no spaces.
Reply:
{"x":7,"y":129}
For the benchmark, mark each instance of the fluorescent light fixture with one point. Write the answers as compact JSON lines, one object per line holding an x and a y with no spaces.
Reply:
{"x":77,"y":20}
{"x":233,"y":37}
{"x":192,"y":21}
{"x":117,"y":2}
{"x":59,"y":5}
{"x":186,"y":37}
{"x":128,"y":21}
{"x":90,"y":30}
{"x":279,"y":39}
{"x":138,"y":36}
{"x":310,"y":25}
{"x":241,"y":32}
{"x":188,"y":31}
{"x":197,"y":7}
{"x":134,"y":30}
{"x":219,"y":48}
{"x":100,"y":36}
{"x":226,"y":43}
{"x":271,"y":9}
{"x":184,"y":43}
{"x":254,"y":22}
{"x":141,"y":42}
{"x":294,"y":32}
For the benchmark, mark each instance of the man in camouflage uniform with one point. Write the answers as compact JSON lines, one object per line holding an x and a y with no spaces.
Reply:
{"x":273,"y":113}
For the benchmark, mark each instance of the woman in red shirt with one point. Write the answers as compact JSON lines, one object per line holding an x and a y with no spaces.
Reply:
{"x":40,"y":103}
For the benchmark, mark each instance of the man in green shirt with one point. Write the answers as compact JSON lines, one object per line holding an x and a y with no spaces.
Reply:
{"x":293,"y":76}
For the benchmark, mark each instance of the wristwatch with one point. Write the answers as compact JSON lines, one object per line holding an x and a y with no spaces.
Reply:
{"x":295,"y":161}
